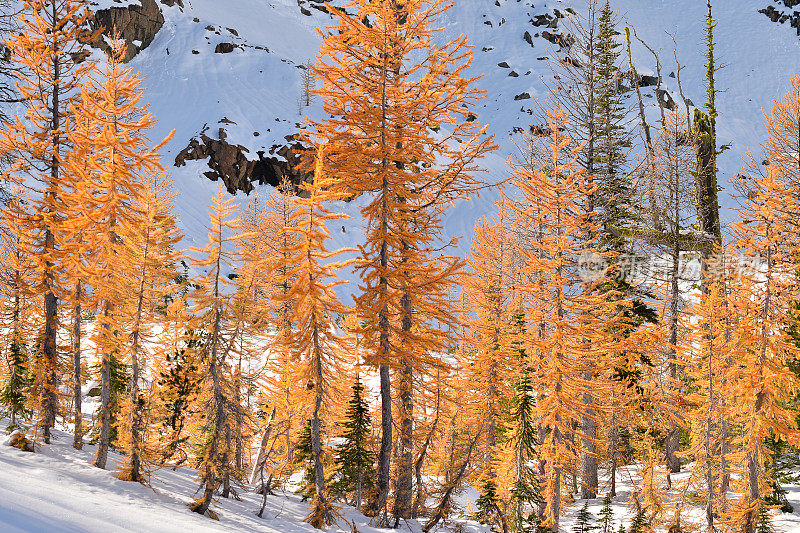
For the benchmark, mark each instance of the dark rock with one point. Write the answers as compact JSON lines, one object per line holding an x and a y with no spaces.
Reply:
{"x":225,"y":48}
{"x":229,"y":163}
{"x":503,"y":64}
{"x":648,"y":81}
{"x":528,"y":38}
{"x":171,"y":3}
{"x":665,"y":99}
{"x":562,"y":41}
{"x":132,"y":23}
{"x":523,"y":96}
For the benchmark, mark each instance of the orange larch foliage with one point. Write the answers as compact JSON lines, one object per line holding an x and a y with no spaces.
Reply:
{"x":570,"y":326}
{"x":487,"y":294}
{"x":50,"y":55}
{"x":401,"y":130}
{"x":149,"y":257}
{"x":267,"y":250}
{"x":108,"y":188}
{"x":765,"y":298}
{"x":212,"y":314}
{"x":319,"y":345}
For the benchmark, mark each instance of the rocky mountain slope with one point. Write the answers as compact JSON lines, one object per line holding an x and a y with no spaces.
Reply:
{"x":226,"y":75}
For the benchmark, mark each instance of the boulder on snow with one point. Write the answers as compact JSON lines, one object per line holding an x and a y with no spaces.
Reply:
{"x":225,"y":48}
{"x":18,"y":440}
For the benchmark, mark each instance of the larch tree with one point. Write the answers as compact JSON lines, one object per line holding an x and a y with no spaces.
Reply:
{"x":486,"y":288}
{"x":401,"y":131}
{"x":704,"y":353}
{"x":149,"y":258}
{"x":570,"y":327}
{"x":79,"y":250}
{"x":765,"y":296}
{"x":50,"y":60}
{"x":316,"y":340}
{"x":211,"y":308}
{"x":670,"y":177}
{"x":108,"y":188}
{"x":269,"y":241}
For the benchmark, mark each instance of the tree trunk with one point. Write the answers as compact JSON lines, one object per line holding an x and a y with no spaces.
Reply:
{"x":405,"y":452}
{"x":49,"y":346}
{"x":589,"y":480}
{"x":77,"y":442}
{"x":385,"y":452}
{"x":216,"y":364}
{"x":50,"y":394}
{"x":105,"y":395}
{"x":614,"y":452}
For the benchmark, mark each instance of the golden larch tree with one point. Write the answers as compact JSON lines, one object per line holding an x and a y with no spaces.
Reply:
{"x":212,"y":310}
{"x":765,"y":296}
{"x":148,"y":267}
{"x":401,"y":131}
{"x":108,"y":188}
{"x":50,"y":55}
{"x":320,"y":346}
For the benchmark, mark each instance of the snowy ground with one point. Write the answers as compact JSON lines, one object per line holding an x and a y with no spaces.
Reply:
{"x":58,"y":491}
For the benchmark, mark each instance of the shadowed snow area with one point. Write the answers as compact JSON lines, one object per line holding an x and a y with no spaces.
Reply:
{"x":57,"y":490}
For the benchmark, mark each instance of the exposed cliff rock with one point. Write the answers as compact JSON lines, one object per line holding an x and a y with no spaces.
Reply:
{"x":782,"y":15}
{"x":136,"y":24}
{"x":229,"y":162}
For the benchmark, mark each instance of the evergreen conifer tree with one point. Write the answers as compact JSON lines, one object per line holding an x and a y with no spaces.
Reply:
{"x":304,"y":455}
{"x":640,"y":523}
{"x":488,"y":506}
{"x":606,"y":515}
{"x":354,"y":460}
{"x":14,"y":395}
{"x":584,"y":521}
{"x":525,"y":493}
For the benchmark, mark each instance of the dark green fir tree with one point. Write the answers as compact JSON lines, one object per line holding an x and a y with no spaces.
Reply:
{"x":304,"y":454}
{"x":177,"y":388}
{"x":14,"y":395}
{"x":763,"y":521}
{"x":584,"y":521}
{"x":606,"y":514}
{"x":120,"y":377}
{"x":526,"y":497}
{"x":615,"y":191}
{"x":355,"y":463}
{"x":640,"y":523}
{"x":488,"y":507}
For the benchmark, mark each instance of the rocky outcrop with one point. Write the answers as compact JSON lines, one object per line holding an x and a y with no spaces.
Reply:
{"x":792,"y":15}
{"x":230,"y":162}
{"x":136,"y":24}
{"x":225,"y":48}
{"x":562,"y":41}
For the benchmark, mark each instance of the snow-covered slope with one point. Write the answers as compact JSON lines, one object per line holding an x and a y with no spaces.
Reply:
{"x":58,"y":491}
{"x":253,"y":91}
